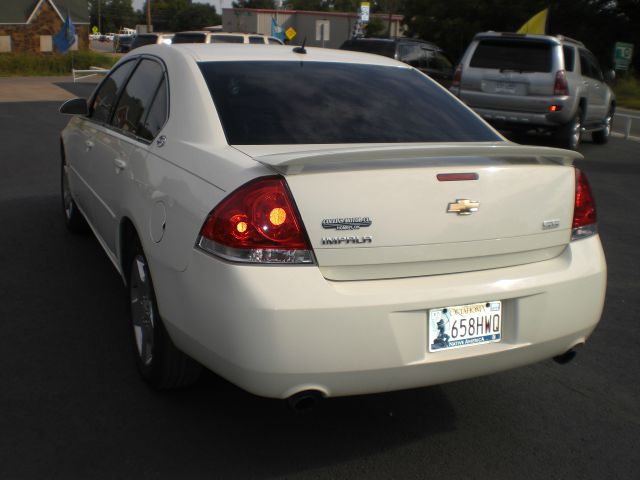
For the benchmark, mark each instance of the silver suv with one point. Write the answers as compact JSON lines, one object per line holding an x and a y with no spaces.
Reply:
{"x":530,"y":82}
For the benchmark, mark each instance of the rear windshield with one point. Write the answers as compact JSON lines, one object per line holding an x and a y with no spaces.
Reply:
{"x":280,"y":103}
{"x":189,"y":38}
{"x":386,"y":49}
{"x":519,"y":55}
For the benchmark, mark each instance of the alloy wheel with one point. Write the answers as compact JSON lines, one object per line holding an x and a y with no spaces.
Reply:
{"x":142,"y":309}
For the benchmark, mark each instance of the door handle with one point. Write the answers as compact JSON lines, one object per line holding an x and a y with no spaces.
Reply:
{"x":120,"y":164}
{"x":89,"y":144}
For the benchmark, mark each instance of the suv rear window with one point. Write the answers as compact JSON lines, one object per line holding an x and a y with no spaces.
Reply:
{"x":519,"y":55}
{"x":335,"y":103}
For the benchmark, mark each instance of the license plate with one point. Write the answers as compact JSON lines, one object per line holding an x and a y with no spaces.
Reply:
{"x":505,"y":87}
{"x":464,"y":325}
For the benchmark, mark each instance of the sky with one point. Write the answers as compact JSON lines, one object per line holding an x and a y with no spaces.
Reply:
{"x":137,"y":4}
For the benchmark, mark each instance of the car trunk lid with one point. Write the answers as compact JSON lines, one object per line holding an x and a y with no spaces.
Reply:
{"x":389,"y":211}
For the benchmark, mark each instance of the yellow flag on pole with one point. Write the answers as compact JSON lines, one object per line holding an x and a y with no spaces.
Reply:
{"x":536,"y":24}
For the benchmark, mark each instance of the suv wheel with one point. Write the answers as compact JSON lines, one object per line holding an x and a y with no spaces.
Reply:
{"x":602,"y":136}
{"x":570,"y":134}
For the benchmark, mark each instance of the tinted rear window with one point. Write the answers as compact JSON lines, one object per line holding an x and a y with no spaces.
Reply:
{"x":189,"y":38}
{"x":387,"y":49}
{"x":271,"y":103}
{"x":519,"y":55}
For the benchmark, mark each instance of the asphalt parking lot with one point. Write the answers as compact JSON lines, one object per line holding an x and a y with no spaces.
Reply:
{"x":72,"y":406}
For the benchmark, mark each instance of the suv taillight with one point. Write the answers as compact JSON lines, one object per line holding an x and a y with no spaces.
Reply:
{"x":257,"y":223}
{"x":584,"y":210}
{"x":457,"y":76}
{"x":561,"y":86}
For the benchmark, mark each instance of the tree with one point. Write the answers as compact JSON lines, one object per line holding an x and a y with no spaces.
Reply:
{"x":181,"y":15}
{"x":114,"y":14}
{"x":266,"y":4}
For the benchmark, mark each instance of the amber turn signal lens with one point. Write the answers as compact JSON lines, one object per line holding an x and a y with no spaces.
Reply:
{"x":277,"y":216}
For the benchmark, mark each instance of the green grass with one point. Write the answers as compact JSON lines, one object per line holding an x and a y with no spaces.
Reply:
{"x":33,"y":64}
{"x":627,"y":90}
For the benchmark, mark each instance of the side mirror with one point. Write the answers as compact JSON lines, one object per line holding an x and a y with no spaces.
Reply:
{"x":610,"y":76}
{"x":75,"y":106}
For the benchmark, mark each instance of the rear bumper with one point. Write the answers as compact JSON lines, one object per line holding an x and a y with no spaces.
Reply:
{"x":522,"y":119}
{"x":275,"y":331}
{"x":520,"y":111}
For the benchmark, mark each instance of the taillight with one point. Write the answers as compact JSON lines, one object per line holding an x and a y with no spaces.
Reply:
{"x":257,"y":223}
{"x":584,"y":210}
{"x":561,"y":86}
{"x":457,"y":76}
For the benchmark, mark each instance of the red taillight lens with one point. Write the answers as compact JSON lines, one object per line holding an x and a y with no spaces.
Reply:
{"x":457,"y":77}
{"x":561,"y":86}
{"x":584,"y":211}
{"x":257,"y":223}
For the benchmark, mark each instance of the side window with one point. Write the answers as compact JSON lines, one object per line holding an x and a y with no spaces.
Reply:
{"x":569,"y":58}
{"x":274,"y":41}
{"x":426,"y":58}
{"x":596,"y":71}
{"x":256,"y":40}
{"x":108,"y":93}
{"x":438,"y":61}
{"x":157,"y":115}
{"x":410,"y":54}
{"x":137,"y":96}
{"x":585,"y":65}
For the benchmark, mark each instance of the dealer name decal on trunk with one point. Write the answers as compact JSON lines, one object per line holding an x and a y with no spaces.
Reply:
{"x":352,"y":223}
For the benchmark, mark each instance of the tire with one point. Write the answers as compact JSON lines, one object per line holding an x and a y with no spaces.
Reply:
{"x":73,"y":218}
{"x":159,"y":362}
{"x":569,"y":135}
{"x":602,"y":136}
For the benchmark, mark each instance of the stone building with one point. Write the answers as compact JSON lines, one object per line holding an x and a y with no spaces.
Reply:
{"x":29,"y":25}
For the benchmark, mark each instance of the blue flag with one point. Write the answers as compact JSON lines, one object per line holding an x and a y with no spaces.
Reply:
{"x":66,"y":37}
{"x":276,"y":30}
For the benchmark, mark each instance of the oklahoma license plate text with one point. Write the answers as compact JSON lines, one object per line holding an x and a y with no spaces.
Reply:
{"x":464,"y":325}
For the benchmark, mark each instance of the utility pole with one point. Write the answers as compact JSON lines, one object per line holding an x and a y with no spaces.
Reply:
{"x":148,"y":16}
{"x":99,"y":22}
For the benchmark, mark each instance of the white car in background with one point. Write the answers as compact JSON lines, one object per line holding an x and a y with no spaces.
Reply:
{"x":316,"y":222}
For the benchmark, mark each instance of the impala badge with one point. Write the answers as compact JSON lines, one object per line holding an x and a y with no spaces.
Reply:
{"x":463,"y":206}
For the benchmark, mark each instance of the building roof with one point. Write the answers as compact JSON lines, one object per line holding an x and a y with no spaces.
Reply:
{"x":20,"y":12}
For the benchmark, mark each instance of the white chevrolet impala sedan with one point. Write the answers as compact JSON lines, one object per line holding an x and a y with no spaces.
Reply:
{"x":311,"y":222}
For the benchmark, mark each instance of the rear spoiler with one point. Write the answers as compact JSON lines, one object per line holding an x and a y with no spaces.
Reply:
{"x":380,"y":156}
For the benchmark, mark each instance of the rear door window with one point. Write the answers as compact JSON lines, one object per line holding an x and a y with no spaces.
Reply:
{"x":585,"y":64}
{"x":256,"y":40}
{"x":137,"y":96}
{"x":517,"y":55}
{"x":378,"y":47}
{"x":108,"y":92}
{"x":412,"y":54}
{"x":327,"y":102}
{"x":190,"y":38}
{"x":227,"y":39}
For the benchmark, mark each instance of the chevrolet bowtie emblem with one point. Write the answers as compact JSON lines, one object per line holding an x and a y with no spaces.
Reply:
{"x":462,"y":206}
